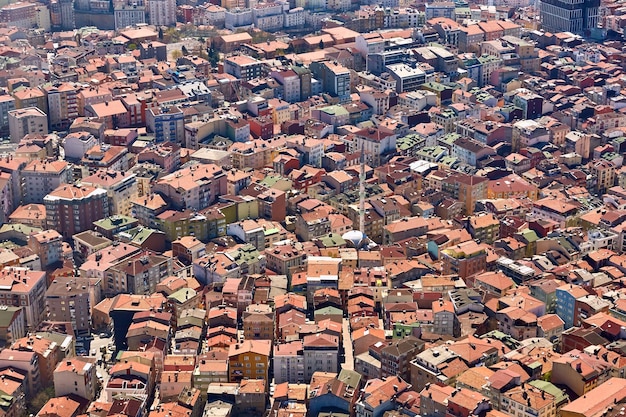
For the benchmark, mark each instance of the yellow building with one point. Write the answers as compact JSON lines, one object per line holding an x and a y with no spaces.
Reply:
{"x":604,"y":171}
{"x":511,"y":186}
{"x":249,"y":360}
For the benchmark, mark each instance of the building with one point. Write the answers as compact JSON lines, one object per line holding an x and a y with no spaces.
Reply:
{"x":26,"y":364}
{"x":290,"y":83}
{"x":161,"y":12}
{"x":604,"y":172}
{"x":70,"y":300}
{"x":566,"y":297}
{"x":445,"y":320}
{"x":436,"y":366}
{"x":196,"y":187}
{"x":598,"y":400}
{"x":22,"y":15}
{"x":72,"y":209}
{"x":76,"y":145}
{"x":129,"y":15}
{"x":464,"y":259}
{"x":138,"y":274}
{"x":12,"y":324}
{"x":242,"y":67}
{"x":47,"y":245}
{"x":440,"y":9}
{"x":121,"y":188}
{"x":396,"y":356}
{"x":24,"y":288}
{"x":258,"y":322}
{"x":41,"y":177}
{"x":26,"y":121}
{"x":62,"y":105}
{"x":289,"y":362}
{"x":408,"y":78}
{"x":321,"y":353}
{"x":76,"y":376}
{"x":167,"y":123}
{"x":335,"y":78}
{"x":564,"y":16}
{"x":249,"y":359}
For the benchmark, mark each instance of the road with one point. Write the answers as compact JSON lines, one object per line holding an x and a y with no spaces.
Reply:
{"x":347,"y":346}
{"x":96,"y":344}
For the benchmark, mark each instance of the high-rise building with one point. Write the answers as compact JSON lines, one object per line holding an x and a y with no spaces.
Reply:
{"x":161,"y":12}
{"x":576,"y":16}
{"x":62,"y":104}
{"x":25,"y":121}
{"x":72,"y":209}
{"x":40,"y":177}
{"x":129,"y":14}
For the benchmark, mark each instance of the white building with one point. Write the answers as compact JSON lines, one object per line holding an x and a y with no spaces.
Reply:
{"x":77,"y":144}
{"x":209,"y":14}
{"x":408,"y":78}
{"x":295,"y":17}
{"x":42,"y":177}
{"x":289,"y":362}
{"x":75,"y":377}
{"x":129,"y":15}
{"x":598,"y":239}
{"x":25,"y":121}
{"x":321,"y":353}
{"x":162,"y":12}
{"x":269,"y":23}
{"x":291,"y":85}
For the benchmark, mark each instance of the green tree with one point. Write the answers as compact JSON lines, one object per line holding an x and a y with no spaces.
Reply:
{"x":213,"y":56}
{"x":177,"y":54}
{"x":160,"y":33}
{"x":40,"y":400}
{"x":132,"y":46}
{"x":321,"y":45}
{"x":184,"y":50}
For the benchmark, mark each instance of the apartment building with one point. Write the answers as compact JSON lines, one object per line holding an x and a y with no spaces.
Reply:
{"x":161,"y":12}
{"x":289,"y":362}
{"x":71,"y":299}
{"x":321,"y":353}
{"x":21,"y":287}
{"x":258,"y":322}
{"x":72,"y":209}
{"x":196,"y":187}
{"x":26,"y":121}
{"x":47,"y":245}
{"x":121,"y":188}
{"x":249,"y":359}
{"x":464,"y":259}
{"x":62,"y":104}
{"x":26,"y":364}
{"x":138,"y":274}
{"x":167,"y":123}
{"x":41,"y":177}
{"x":75,"y":376}
{"x":242,"y":67}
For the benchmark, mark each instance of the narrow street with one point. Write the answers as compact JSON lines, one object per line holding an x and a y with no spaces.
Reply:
{"x":347,"y":346}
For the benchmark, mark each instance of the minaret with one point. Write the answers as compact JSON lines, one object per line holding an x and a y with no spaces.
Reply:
{"x":362,"y":192}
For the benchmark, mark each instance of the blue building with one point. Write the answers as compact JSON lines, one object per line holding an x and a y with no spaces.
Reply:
{"x":566,"y":296}
{"x":167,"y":124}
